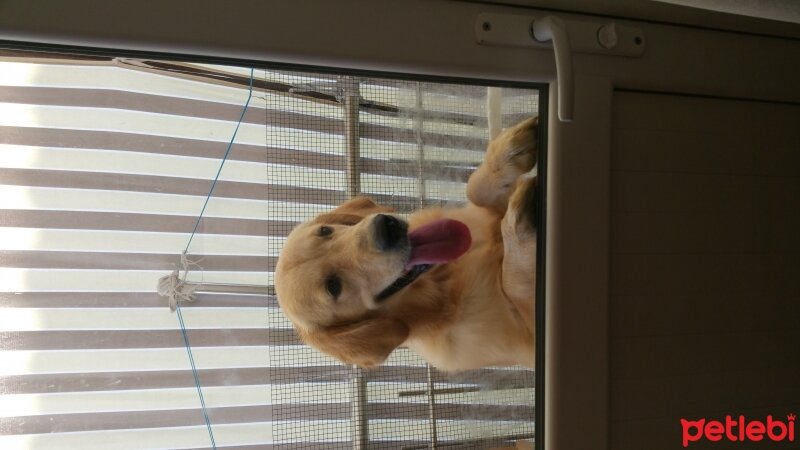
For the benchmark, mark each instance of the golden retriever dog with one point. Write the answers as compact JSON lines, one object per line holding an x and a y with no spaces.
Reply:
{"x":455,"y":285}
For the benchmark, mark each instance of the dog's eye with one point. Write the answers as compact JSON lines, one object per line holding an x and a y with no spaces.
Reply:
{"x":334,"y":286}
{"x":325,"y":231}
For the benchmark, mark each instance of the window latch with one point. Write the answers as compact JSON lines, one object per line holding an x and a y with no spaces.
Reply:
{"x":551,"y":28}
{"x":565,"y":37}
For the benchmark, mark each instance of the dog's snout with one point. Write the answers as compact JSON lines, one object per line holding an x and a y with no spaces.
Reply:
{"x":390,"y":232}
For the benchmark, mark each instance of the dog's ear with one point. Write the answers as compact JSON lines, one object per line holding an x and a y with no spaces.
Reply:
{"x":366,"y":343}
{"x":352,"y":211}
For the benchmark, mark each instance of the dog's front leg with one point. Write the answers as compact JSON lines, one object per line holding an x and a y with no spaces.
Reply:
{"x":518,"y":228}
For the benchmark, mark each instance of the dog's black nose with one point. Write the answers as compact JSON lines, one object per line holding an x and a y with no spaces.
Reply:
{"x":390,"y":232}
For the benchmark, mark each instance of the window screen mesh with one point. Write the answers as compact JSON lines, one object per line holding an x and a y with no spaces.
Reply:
{"x":104,"y":167}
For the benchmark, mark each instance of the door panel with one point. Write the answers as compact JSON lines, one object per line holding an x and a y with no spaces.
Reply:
{"x":704,"y":296}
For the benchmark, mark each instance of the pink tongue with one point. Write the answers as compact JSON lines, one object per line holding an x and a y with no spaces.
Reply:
{"x":438,"y":242}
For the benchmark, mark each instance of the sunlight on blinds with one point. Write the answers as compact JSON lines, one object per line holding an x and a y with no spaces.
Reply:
{"x":104,"y":166}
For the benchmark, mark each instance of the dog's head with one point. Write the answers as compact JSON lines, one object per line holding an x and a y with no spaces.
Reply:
{"x":339,"y":275}
{"x":330,"y":274}
{"x":509,"y":155}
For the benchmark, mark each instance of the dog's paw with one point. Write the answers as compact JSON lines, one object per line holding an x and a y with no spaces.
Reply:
{"x":510,"y":155}
{"x":519,"y":222}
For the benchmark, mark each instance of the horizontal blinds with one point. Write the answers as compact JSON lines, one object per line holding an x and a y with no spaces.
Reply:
{"x":104,"y":167}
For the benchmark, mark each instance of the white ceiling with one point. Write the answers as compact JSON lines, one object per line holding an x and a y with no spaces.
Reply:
{"x":780,"y":18}
{"x":782,"y":10}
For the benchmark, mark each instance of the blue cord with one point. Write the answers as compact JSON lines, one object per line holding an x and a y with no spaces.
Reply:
{"x":224,"y":158}
{"x":196,"y":376}
{"x":186,"y":250}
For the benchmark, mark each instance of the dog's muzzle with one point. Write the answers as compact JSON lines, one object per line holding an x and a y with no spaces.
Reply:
{"x":437,"y":242}
{"x":390,"y":233}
